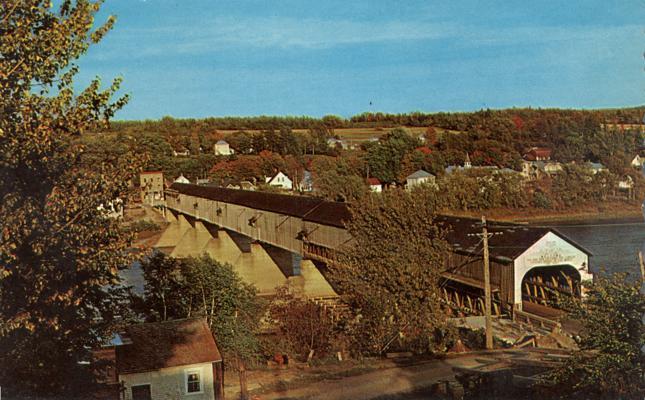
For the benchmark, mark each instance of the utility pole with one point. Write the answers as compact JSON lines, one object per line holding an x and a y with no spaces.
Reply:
{"x":487,"y":300}
{"x":485,"y":235}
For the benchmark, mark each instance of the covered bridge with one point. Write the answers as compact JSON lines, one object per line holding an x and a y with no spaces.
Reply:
{"x":528,"y":264}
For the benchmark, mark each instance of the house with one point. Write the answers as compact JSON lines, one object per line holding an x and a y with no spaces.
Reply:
{"x":638,"y":162}
{"x":375,"y":185}
{"x":626,"y":184}
{"x":222,"y":148}
{"x":182,"y":179}
{"x":182,"y":153}
{"x":307,"y":182}
{"x":170,"y":360}
{"x":418,"y":178}
{"x":242,"y":185}
{"x":538,"y":154}
{"x":336,"y":143}
{"x":176,"y":359}
{"x":202,"y":181}
{"x":532,"y":170}
{"x":596,"y":167}
{"x":280,"y":180}
{"x":151,"y":184}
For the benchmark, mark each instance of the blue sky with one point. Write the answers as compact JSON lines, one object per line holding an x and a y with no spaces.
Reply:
{"x":199,"y":58}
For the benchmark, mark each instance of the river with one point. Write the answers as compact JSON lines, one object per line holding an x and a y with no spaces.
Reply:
{"x":614,"y":246}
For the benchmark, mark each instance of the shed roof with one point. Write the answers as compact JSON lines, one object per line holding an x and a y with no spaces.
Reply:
{"x":153,"y":346}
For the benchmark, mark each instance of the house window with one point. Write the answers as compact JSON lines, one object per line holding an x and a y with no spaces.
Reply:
{"x":193,"y":381}
{"x":141,"y":392}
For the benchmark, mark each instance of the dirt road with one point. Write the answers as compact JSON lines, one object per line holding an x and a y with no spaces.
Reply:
{"x":378,"y":384}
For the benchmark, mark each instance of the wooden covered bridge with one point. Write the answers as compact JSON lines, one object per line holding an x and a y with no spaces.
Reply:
{"x":528,"y":264}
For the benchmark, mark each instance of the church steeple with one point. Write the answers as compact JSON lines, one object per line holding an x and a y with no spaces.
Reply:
{"x":467,"y":162}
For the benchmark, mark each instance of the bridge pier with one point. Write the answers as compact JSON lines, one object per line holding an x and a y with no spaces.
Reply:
{"x":242,"y":242}
{"x":173,"y":234}
{"x":288,"y":262}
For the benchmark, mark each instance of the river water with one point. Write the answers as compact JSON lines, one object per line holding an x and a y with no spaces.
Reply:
{"x":614,"y":246}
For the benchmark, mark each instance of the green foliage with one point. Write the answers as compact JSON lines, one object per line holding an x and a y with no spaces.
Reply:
{"x":59,"y":255}
{"x":481,"y":190}
{"x":385,"y":156}
{"x":610,"y":363}
{"x":389,"y":273}
{"x":334,"y":179}
{"x":302,"y":325}
{"x":181,"y":288}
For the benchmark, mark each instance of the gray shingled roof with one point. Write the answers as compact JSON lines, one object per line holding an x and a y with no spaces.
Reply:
{"x":419,"y":174}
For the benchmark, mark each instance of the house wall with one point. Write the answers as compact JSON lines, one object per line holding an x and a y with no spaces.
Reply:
{"x":550,"y":250}
{"x":170,"y":383}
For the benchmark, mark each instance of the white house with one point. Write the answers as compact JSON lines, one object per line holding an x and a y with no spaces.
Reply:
{"x":280,"y":180}
{"x":418,"y":178}
{"x":222,"y":148}
{"x":638,"y":162}
{"x":182,"y":179}
{"x":176,"y":360}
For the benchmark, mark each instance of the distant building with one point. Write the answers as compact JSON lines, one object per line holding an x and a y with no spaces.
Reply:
{"x":638,"y":162}
{"x":533,"y":170}
{"x":182,"y":179}
{"x":182,"y":153}
{"x":538,"y":154}
{"x":165,"y":361}
{"x":151,"y":184}
{"x":627,"y":183}
{"x":596,"y":167}
{"x":375,"y":185}
{"x":202,"y":181}
{"x":306,"y":183}
{"x":222,"y":148}
{"x":418,"y":178}
{"x":280,"y":180}
{"x":243,"y":185}
{"x":335,"y":143}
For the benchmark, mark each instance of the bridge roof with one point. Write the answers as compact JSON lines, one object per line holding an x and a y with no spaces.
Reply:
{"x":510,"y":242}
{"x":310,"y":209}
{"x":460,"y":231}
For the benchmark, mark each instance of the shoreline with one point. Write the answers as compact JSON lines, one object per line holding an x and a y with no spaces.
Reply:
{"x":615,"y":213}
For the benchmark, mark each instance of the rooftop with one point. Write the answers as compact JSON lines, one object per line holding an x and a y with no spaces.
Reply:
{"x":153,"y":346}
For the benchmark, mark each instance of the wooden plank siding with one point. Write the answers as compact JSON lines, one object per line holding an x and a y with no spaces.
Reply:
{"x":472,"y":266}
{"x":279,"y":230}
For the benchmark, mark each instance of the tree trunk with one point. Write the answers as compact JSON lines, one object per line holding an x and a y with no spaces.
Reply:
{"x":244,"y":392}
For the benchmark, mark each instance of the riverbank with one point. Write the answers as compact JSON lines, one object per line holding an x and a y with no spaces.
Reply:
{"x":610,"y":212}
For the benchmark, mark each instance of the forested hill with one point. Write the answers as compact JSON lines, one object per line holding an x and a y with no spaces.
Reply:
{"x":501,"y":120}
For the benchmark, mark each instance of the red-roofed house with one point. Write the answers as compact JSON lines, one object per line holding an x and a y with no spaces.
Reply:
{"x":168,"y":360}
{"x":538,"y":154}
{"x":375,"y":185}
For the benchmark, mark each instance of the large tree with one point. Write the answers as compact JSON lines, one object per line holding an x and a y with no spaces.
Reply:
{"x":610,"y":363}
{"x":390,"y":272}
{"x":59,"y":253}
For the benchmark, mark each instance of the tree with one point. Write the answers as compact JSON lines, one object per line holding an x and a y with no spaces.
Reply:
{"x":59,"y":255}
{"x":303,"y":325}
{"x":610,"y":363}
{"x":204,"y":287}
{"x":384,"y":157}
{"x":389,"y":274}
